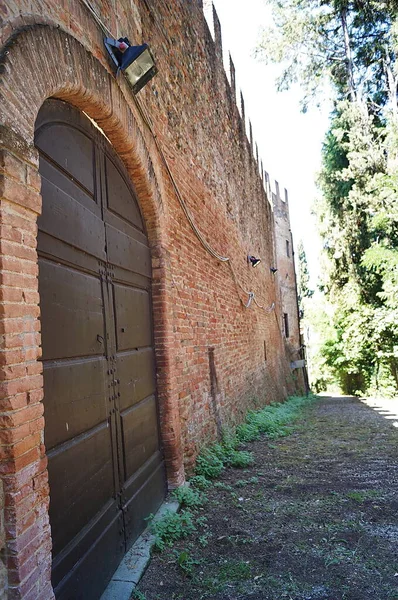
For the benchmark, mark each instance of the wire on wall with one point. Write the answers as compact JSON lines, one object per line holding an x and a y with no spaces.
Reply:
{"x":197,"y":232}
{"x":98,"y":19}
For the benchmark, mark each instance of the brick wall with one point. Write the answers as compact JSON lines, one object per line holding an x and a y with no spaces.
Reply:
{"x":286,"y":271}
{"x":215,"y":358}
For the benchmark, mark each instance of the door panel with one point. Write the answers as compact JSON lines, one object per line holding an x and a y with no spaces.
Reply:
{"x":127,"y":252}
{"x":79,"y":488}
{"x":140,"y":435}
{"x":72,"y":304}
{"x":81,"y":571}
{"x":106,"y":470}
{"x":71,"y":218}
{"x":141,"y":465}
{"x":136,"y":373}
{"x":72,"y":150}
{"x":119,"y":195}
{"x":78,"y":388}
{"x":133,"y":318}
{"x":142,"y":500}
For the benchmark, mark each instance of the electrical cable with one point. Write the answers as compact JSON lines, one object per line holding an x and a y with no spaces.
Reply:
{"x":98,"y":19}
{"x":197,"y":232}
{"x":146,"y":120}
{"x":184,"y":207}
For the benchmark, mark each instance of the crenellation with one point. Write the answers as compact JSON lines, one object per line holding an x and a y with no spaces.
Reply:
{"x":214,"y":25}
{"x":232,"y":77}
{"x":208,"y":13}
{"x":242,"y":111}
{"x":277,"y":192}
{"x":217,"y":35}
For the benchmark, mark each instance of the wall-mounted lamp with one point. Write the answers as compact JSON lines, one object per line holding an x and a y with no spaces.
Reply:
{"x":273,"y":270}
{"x":136,"y":62}
{"x":253,"y":261}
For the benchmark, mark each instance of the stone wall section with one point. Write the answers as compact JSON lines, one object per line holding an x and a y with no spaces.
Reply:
{"x":215,"y":357}
{"x":286,"y":274}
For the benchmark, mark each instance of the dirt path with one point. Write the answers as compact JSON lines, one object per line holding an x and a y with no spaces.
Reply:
{"x":316,"y":518}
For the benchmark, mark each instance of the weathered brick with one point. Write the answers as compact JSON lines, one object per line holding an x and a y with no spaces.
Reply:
{"x":19,"y":193}
{"x":12,"y":166}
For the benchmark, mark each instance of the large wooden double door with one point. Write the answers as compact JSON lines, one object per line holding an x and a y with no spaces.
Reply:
{"x":106,"y":469}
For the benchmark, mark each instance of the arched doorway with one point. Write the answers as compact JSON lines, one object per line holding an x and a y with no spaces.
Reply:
{"x":106,"y":469}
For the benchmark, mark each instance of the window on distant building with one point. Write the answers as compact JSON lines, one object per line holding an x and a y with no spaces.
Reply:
{"x":265,"y":351}
{"x":286,"y":324}
{"x":288,"y":248}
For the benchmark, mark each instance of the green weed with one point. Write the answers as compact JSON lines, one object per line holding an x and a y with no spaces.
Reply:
{"x":339,"y":555}
{"x":186,"y":562}
{"x":189,"y":497}
{"x":272,"y":420}
{"x":203,"y":540}
{"x":208,"y":465}
{"x":220,"y":485}
{"x":244,"y":482}
{"x":199,"y":482}
{"x":171,"y":527}
{"x":202,"y":521}
{"x":137,"y":595}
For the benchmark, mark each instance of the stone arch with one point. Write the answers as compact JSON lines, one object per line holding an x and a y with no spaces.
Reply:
{"x":38,"y":62}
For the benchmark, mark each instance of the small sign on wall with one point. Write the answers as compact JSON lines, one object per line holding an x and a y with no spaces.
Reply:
{"x":297,"y":364}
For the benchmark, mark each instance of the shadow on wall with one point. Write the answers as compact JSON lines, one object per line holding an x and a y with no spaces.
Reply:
{"x":215,"y":392}
{"x":3,"y":569}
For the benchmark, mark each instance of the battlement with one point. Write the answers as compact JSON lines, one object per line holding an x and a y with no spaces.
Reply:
{"x":227,"y":69}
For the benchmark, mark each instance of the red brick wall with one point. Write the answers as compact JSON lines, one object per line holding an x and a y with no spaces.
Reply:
{"x":210,"y":348}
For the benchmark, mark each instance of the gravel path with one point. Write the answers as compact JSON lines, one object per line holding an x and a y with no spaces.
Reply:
{"x":315,"y":518}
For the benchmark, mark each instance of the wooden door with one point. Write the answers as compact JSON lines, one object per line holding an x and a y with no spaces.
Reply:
{"x":106,"y":470}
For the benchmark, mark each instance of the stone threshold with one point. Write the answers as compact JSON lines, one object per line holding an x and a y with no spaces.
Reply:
{"x":135,"y":561}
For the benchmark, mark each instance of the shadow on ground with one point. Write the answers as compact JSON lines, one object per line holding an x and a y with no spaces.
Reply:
{"x":316,"y":518}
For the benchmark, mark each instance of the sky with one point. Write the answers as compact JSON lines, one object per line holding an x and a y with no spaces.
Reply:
{"x":289,"y":141}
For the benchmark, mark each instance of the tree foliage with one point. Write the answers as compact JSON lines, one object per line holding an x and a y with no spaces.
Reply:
{"x":350,"y":46}
{"x":304,"y":289}
{"x":340,"y":43}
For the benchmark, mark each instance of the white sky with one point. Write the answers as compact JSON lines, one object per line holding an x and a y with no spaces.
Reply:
{"x":289,"y":142}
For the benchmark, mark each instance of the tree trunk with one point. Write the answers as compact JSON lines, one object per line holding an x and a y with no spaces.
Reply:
{"x":392,"y":86}
{"x":394,"y":370}
{"x":348,"y":54}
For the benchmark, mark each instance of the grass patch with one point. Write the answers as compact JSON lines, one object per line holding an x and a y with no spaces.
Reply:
{"x":361,"y":496}
{"x":243,"y":482}
{"x":137,"y":595}
{"x":234,"y":570}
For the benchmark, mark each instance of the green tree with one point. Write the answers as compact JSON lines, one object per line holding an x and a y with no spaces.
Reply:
{"x":304,"y":290}
{"x":350,"y":47}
